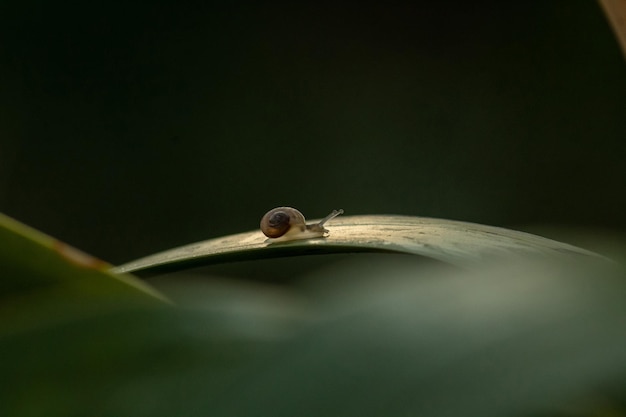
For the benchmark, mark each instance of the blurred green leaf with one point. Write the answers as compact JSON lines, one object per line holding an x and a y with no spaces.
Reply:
{"x":510,"y":340}
{"x":529,"y":335}
{"x":43,"y":280}
{"x":515,"y":339}
{"x":454,"y":242}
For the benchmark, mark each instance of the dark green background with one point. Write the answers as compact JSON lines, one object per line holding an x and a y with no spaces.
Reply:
{"x":127,"y":128}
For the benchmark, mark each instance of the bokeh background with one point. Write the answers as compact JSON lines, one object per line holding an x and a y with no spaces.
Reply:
{"x":131,"y":127}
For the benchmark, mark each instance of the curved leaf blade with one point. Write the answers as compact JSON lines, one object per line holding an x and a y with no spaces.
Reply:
{"x":458,"y":243}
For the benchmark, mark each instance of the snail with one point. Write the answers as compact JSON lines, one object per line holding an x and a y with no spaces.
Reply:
{"x":286,"y":223}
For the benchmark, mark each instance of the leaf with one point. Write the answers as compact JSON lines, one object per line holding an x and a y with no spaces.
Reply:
{"x":615,"y":11}
{"x":454,"y":242}
{"x":45,"y":280}
{"x":532,"y":338}
{"x":367,"y":342}
{"x":504,"y":342}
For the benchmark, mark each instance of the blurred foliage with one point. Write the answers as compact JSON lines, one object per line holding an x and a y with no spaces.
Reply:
{"x":39,"y":274}
{"x":366,"y":335}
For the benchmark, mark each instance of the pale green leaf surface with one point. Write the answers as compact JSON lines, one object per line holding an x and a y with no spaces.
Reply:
{"x":454,"y":242}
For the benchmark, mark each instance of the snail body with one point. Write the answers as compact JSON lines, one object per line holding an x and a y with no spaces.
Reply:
{"x":287,"y":223}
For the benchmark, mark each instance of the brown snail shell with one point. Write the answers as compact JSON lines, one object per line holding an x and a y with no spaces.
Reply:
{"x":280,"y":220}
{"x":287,"y":223}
